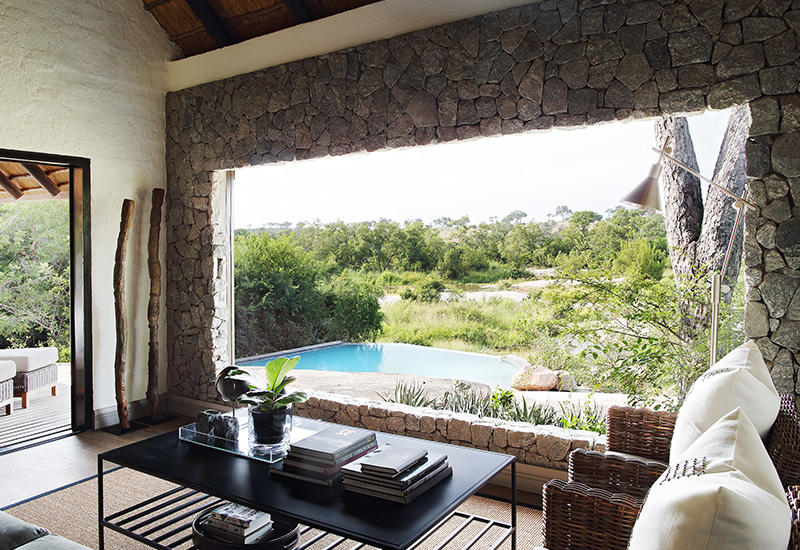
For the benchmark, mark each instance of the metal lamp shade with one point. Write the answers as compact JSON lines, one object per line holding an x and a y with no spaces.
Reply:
{"x":646,"y":195}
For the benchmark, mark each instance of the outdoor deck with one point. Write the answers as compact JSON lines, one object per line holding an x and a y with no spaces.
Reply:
{"x":45,"y":418}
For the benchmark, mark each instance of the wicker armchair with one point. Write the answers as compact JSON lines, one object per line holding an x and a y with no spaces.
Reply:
{"x":597,"y":507}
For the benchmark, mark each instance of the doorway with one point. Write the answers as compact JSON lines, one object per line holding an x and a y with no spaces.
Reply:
{"x":64,"y":407}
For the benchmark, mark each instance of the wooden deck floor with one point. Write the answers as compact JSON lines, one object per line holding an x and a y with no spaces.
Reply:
{"x":46,"y":417}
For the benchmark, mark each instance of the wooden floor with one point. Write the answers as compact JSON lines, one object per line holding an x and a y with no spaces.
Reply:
{"x":30,"y":472}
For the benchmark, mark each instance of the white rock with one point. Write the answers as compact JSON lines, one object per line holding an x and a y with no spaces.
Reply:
{"x":534,"y":378}
{"x":566,"y":382}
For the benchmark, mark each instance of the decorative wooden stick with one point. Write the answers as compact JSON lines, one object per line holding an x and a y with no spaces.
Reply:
{"x":154,"y":267}
{"x":119,"y":309}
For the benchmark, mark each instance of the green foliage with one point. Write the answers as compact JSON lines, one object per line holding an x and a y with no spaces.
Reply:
{"x":35,"y":275}
{"x":589,"y":416}
{"x":277,"y":303}
{"x":355,"y":308}
{"x":631,"y":334}
{"x":501,"y":404}
{"x":430,"y":291}
{"x":273,"y":396}
{"x":640,"y":257}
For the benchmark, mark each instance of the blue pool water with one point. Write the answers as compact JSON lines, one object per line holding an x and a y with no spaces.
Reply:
{"x":400,"y":359}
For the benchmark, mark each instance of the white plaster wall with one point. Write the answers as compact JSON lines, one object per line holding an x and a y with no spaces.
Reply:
{"x":369,"y":23}
{"x":88,"y":78}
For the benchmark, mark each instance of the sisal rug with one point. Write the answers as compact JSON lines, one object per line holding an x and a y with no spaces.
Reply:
{"x":72,"y":513}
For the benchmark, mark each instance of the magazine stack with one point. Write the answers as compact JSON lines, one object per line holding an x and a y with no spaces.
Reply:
{"x":239,"y":524}
{"x":319,"y":458}
{"x":396,"y":473}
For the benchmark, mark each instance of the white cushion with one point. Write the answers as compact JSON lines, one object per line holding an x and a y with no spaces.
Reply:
{"x":722,"y":493}
{"x":28,"y":359}
{"x":7,"y":370}
{"x":740,"y":379}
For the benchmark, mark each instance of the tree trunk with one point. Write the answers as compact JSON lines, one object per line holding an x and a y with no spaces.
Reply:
{"x":119,"y":309}
{"x":698,"y":235}
{"x":154,"y":267}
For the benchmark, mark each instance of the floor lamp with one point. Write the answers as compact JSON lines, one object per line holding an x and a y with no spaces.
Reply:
{"x":647,"y":196}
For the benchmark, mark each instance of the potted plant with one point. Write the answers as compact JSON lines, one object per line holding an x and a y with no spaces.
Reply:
{"x":269,"y":406}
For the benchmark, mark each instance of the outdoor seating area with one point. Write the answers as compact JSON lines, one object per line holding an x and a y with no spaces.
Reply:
{"x":34,"y":368}
{"x":719,"y":471}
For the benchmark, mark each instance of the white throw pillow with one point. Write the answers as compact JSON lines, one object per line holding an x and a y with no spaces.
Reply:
{"x":722,"y":493}
{"x":740,"y":379}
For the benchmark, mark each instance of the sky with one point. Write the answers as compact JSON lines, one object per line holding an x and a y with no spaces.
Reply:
{"x":584,"y":169}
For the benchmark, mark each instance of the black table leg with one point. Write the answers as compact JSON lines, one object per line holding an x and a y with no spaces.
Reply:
{"x":100,"y":537}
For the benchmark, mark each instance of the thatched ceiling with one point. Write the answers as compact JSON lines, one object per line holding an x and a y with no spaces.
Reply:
{"x":198,"y":26}
{"x":32,"y":182}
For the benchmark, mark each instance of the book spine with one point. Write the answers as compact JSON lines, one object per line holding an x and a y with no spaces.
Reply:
{"x":350,"y":451}
{"x":298,"y":462}
{"x":227,"y":527}
{"x":341,"y":457}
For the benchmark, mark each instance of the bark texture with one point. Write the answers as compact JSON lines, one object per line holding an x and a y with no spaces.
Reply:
{"x":154,"y":268}
{"x":698,"y":234}
{"x":120,"y":312}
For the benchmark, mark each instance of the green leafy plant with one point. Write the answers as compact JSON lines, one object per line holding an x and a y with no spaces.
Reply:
{"x":588,"y":416}
{"x":274,"y":396}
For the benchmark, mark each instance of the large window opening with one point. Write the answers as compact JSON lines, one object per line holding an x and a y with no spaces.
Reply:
{"x":515,"y":245}
{"x":43,"y":314}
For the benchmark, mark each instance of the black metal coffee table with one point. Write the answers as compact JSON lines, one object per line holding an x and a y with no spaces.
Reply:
{"x":205,"y":476}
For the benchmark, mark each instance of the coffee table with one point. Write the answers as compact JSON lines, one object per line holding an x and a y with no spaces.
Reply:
{"x":206,"y":476}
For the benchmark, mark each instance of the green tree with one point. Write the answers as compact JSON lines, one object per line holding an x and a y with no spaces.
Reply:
{"x":355,"y":310}
{"x":277,"y":303}
{"x":35,"y":274}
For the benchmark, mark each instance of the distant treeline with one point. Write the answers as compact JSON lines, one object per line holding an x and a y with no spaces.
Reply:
{"x":456,"y":249}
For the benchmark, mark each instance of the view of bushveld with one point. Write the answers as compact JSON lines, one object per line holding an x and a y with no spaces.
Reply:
{"x":601,"y":300}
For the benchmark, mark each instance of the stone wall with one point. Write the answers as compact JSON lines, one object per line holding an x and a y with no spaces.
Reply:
{"x":565,"y":63}
{"x":772,"y":240}
{"x":545,"y":446}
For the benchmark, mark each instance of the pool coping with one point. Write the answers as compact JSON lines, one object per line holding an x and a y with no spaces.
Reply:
{"x":289,"y":352}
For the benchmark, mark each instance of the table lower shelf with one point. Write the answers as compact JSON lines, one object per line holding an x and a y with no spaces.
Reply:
{"x":165,"y":522}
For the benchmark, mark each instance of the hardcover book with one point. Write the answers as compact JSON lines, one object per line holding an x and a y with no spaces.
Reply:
{"x":442,"y":473}
{"x":258,"y":534}
{"x":237,"y":514}
{"x":390,"y":460}
{"x":397,"y":491}
{"x":409,"y":477}
{"x":321,"y":466}
{"x":334,"y":443}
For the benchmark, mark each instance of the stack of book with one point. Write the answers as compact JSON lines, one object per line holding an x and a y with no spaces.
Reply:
{"x":239,"y":524}
{"x":320,"y":457}
{"x":396,"y":473}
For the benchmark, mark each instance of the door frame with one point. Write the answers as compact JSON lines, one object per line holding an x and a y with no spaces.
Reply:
{"x":80,"y":279}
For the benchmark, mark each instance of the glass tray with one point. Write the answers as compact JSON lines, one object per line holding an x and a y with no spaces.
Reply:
{"x":241,"y":446}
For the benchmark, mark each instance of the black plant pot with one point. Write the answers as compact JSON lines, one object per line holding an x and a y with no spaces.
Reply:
{"x":269,"y":427}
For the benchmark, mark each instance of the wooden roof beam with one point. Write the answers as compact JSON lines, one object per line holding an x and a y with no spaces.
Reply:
{"x":41,"y":178}
{"x":300,"y":10}
{"x":213,"y":23}
{"x":9,"y":187}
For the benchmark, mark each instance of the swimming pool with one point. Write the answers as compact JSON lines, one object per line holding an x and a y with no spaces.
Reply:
{"x":399,"y":359}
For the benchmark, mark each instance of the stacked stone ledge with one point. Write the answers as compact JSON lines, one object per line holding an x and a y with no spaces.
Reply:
{"x":544,"y":446}
{"x":772,"y":245}
{"x":564,"y":63}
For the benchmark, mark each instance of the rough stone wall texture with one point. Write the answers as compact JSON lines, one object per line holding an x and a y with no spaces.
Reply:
{"x":551,"y":64}
{"x":772,"y":240}
{"x":545,"y":446}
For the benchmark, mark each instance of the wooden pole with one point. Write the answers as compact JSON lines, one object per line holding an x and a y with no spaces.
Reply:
{"x":154,"y":267}
{"x":120,"y":312}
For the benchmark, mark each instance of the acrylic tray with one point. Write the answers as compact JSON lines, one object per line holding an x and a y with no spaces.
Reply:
{"x":264,"y":453}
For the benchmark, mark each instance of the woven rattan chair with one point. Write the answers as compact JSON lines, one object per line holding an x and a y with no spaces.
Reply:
{"x":597,"y":507}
